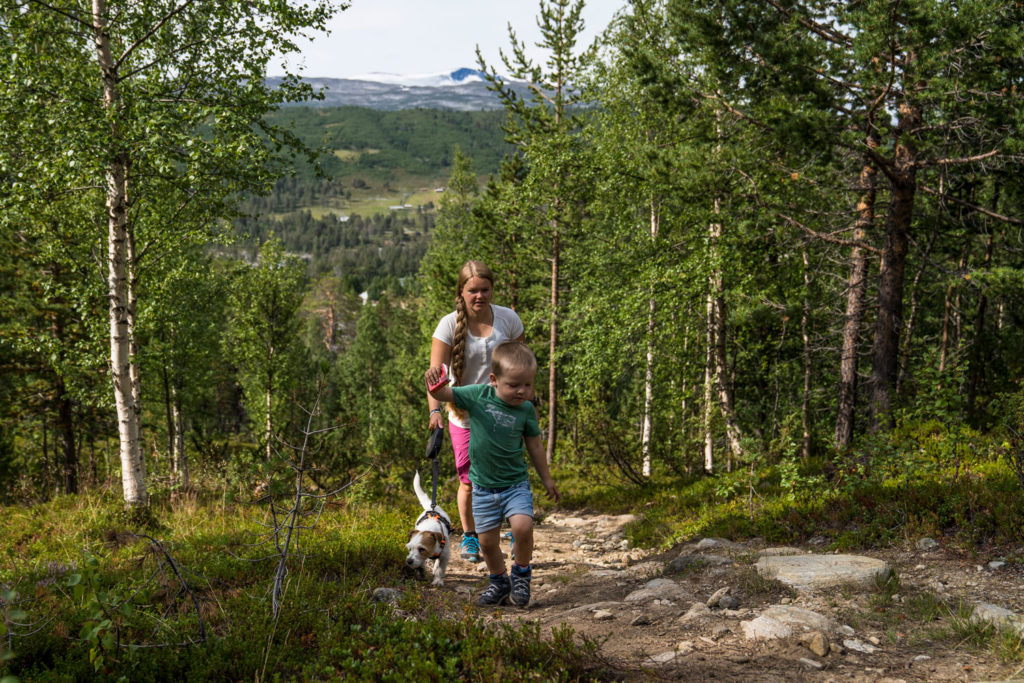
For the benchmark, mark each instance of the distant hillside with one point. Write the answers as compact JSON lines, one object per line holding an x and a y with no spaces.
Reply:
{"x":369,"y":220}
{"x":413,"y":144}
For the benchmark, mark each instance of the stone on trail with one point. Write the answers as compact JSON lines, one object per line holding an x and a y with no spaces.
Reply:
{"x":998,"y":616}
{"x":811,"y":664}
{"x":718,"y":595}
{"x":728,"y":602}
{"x":698,"y":612}
{"x":816,"y":572}
{"x":816,"y":642}
{"x":800,"y":619}
{"x":717,"y":543}
{"x":858,"y":646}
{"x":595,"y":606}
{"x":765,"y":628}
{"x":657,"y":589}
{"x":664,"y":657}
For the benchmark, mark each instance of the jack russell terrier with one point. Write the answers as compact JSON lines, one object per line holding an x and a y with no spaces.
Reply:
{"x":429,"y":539}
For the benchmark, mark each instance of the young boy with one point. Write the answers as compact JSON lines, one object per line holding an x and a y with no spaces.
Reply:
{"x":501,"y":419}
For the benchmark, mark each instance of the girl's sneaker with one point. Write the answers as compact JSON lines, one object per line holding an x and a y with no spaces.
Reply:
{"x":496,"y":592}
{"x":519,"y":595}
{"x":469,"y":548}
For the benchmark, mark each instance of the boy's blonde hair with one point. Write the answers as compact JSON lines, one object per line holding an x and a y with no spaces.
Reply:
{"x":512,"y":355}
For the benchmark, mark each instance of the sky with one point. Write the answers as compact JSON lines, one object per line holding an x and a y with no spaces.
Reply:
{"x":411,"y":37}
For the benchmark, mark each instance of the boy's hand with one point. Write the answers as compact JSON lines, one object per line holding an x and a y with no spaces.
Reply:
{"x":433,"y":375}
{"x":441,"y":390}
{"x":553,"y":494}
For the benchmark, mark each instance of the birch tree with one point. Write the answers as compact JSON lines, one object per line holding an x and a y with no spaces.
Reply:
{"x":179,"y":117}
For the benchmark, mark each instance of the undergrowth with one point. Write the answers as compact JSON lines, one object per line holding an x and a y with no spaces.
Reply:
{"x":919,"y":480}
{"x":94,"y":600}
{"x":184,"y":594}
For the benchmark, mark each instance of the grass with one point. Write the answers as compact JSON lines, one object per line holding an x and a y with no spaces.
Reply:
{"x":100,"y":604}
{"x":83,"y":598}
{"x":964,"y":503}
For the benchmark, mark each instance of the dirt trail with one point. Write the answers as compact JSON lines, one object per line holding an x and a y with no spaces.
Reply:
{"x":584,"y":571}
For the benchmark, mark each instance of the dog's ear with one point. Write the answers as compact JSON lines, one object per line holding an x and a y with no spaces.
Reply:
{"x":434,"y":536}
{"x":412,"y":533}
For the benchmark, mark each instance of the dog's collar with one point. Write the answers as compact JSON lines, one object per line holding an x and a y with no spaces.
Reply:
{"x":432,"y":514}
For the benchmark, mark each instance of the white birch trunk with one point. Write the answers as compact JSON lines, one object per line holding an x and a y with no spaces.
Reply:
{"x":649,"y":374}
{"x":178,"y":456}
{"x":269,"y":425}
{"x":805,"y":323}
{"x":716,"y":318}
{"x":552,"y":348}
{"x":132,"y":469}
{"x":709,"y":377}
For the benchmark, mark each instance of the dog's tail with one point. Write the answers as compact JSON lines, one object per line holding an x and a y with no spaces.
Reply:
{"x":420,"y":493}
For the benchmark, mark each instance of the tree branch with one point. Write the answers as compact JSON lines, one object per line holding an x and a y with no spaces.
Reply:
{"x":980,"y":209}
{"x":156,"y":27}
{"x":956,"y":160}
{"x":830,"y":238}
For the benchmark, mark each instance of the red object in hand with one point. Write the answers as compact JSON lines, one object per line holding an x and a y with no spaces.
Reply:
{"x":442,"y":380}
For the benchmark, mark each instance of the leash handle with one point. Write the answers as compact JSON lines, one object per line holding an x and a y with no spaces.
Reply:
{"x":434,"y":445}
{"x":435,"y":442}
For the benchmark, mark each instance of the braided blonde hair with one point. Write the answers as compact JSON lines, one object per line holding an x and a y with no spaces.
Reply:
{"x":469,"y":270}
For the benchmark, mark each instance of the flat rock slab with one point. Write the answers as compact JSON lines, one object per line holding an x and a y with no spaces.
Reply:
{"x":817,"y":572}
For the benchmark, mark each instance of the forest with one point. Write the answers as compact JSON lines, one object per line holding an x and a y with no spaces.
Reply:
{"x":772,"y":250}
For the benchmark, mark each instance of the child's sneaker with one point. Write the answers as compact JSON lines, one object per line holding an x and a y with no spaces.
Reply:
{"x":469,"y":549}
{"x":496,"y":592}
{"x":519,"y":595}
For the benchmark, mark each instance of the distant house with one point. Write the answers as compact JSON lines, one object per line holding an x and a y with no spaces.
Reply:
{"x":438,"y":189}
{"x":343,"y":219}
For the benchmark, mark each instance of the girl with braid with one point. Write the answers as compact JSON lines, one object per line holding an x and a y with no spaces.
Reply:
{"x":464,"y":340}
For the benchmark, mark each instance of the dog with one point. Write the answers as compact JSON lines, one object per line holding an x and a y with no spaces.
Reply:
{"x":429,"y":539}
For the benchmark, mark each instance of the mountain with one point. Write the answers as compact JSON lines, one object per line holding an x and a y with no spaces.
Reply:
{"x":460,"y":90}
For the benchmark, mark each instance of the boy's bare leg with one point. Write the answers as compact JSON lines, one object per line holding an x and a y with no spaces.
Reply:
{"x":490,"y":548}
{"x":522,"y":532}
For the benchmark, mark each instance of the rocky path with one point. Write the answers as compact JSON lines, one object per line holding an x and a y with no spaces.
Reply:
{"x":711,"y":611}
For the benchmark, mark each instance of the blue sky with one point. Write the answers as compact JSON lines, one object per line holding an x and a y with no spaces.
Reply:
{"x":429,"y":36}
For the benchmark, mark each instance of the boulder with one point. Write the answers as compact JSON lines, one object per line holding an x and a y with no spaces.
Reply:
{"x":817,"y":572}
{"x":999,"y":616}
{"x":765,"y":628}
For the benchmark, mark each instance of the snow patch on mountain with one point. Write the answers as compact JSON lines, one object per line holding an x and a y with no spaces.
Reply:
{"x":458,"y":77}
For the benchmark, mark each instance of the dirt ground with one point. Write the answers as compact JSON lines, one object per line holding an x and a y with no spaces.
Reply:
{"x":584,"y":569}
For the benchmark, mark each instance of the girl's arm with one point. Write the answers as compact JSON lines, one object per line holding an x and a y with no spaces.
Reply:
{"x":440,"y":352}
{"x":540,"y":463}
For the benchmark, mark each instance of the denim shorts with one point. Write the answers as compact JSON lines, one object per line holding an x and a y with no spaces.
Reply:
{"x":491,"y":506}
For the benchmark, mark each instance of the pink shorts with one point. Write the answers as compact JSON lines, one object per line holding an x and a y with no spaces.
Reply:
{"x":460,"y":444}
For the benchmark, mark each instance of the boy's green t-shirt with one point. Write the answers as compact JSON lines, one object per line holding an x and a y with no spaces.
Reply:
{"x":496,"y":431}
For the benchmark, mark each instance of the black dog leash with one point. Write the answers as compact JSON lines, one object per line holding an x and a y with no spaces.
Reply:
{"x":433,"y":450}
